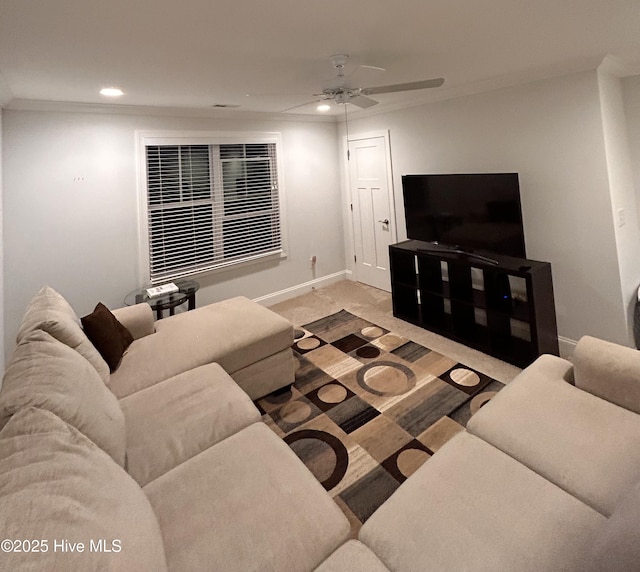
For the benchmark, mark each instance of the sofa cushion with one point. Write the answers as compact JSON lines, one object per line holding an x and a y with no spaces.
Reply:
{"x":234,"y":333}
{"x":353,"y":556}
{"x":48,"y":374}
{"x":57,"y":485}
{"x":608,"y":370}
{"x":572,"y":438}
{"x":471,"y":507}
{"x":616,"y":545}
{"x":247,"y":503}
{"x":108,"y":335}
{"x":138,"y":319}
{"x":180,"y":417}
{"x":50,"y":312}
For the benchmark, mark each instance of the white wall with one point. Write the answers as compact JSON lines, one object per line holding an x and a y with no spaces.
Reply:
{"x":71,"y":216}
{"x":621,"y":187}
{"x":551,"y":133}
{"x":631,"y":98}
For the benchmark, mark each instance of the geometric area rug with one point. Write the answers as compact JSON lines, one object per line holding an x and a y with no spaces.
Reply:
{"x":368,"y":407}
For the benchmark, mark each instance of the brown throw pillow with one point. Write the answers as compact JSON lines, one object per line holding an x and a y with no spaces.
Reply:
{"x":108,"y":335}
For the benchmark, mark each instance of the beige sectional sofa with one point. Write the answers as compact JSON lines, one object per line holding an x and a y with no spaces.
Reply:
{"x":162,"y":466}
{"x":545,"y":478}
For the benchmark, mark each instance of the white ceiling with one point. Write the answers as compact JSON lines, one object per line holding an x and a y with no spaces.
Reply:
{"x":199,"y":53}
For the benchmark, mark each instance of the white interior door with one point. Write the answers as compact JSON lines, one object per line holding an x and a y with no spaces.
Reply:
{"x":372,"y":209}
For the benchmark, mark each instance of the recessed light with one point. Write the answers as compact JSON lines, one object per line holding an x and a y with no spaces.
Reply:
{"x":111,"y":92}
{"x":323,"y":107}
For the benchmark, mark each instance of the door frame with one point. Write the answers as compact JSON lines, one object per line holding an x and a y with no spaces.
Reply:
{"x":393,"y":232}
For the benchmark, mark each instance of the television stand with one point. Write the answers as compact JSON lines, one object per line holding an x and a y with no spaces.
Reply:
{"x":454,"y":250}
{"x":500,"y":305}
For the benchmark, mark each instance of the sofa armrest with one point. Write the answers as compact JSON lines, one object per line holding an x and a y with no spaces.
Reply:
{"x":138,"y":319}
{"x":608,"y":370}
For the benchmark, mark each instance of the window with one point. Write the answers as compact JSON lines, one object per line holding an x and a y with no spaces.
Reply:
{"x":210,"y":205}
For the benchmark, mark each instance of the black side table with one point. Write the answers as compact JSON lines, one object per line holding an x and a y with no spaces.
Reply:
{"x":186,"y":293}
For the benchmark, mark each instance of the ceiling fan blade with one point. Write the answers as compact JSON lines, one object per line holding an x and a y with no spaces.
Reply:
{"x":364,"y":74}
{"x":437,"y":82}
{"x":362,"y":101}
{"x":366,"y":67}
{"x":300,"y":105}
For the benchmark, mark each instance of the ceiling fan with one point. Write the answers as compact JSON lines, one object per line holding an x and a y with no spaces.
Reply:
{"x":340,"y":89}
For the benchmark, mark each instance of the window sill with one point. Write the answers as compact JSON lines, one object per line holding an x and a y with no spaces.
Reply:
{"x":226,"y":268}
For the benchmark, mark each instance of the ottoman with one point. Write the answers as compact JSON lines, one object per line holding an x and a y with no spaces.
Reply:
{"x":249,"y":341}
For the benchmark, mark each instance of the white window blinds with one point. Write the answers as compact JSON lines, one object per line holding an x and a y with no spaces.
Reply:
{"x":210,"y":206}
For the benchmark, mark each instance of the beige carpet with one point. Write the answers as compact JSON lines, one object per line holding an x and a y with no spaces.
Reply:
{"x":375,"y":306}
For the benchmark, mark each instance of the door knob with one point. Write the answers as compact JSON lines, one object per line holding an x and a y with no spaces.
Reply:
{"x":385,"y":221}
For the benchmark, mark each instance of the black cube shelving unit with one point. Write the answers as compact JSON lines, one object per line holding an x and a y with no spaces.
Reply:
{"x":499,"y":305}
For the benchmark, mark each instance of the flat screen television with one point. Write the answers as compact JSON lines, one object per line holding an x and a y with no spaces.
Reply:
{"x":468,"y":211}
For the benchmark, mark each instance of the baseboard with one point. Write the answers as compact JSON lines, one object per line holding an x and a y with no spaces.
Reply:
{"x":567,"y":346}
{"x":287,"y":293}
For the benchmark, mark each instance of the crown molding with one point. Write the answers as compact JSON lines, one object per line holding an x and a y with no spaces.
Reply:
{"x":187,"y":112}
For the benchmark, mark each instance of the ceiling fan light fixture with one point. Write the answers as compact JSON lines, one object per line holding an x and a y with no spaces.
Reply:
{"x":323,"y":107}
{"x":111,"y":92}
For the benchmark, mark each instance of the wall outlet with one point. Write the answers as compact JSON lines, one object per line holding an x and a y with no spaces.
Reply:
{"x":620,"y":217}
